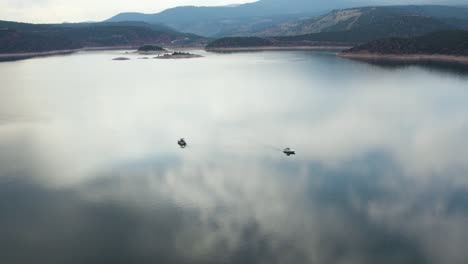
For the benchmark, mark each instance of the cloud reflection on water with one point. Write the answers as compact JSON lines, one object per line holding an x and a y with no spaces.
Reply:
{"x":253,"y":213}
{"x":95,"y":173}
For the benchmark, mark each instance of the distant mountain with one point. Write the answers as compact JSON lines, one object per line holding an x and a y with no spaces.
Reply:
{"x":185,"y":14}
{"x":215,"y":21}
{"x":349,"y":27}
{"x":262,"y":17}
{"x":382,"y":21}
{"x":23,"y":37}
{"x":436,"y":43}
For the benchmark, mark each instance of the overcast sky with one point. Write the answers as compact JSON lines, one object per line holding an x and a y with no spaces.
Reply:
{"x":88,"y":10}
{"x":57,"y":11}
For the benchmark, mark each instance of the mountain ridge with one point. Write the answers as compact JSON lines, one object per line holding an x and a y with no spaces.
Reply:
{"x":355,"y":26}
{"x":255,"y":18}
{"x":211,"y":21}
{"x":346,"y":19}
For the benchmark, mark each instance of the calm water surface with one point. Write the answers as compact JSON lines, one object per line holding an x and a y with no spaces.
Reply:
{"x":90,"y":171}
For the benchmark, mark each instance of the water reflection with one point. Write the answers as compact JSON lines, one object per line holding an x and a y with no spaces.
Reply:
{"x":435,"y":66}
{"x":90,"y":171}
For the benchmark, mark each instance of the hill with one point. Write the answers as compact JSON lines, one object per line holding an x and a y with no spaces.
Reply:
{"x":276,"y":17}
{"x":453,"y":43}
{"x":350,"y":27}
{"x":23,"y":37}
{"x":219,"y":21}
{"x":386,"y":21}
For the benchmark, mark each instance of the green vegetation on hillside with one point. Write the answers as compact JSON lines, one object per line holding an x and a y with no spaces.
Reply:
{"x":376,"y":22}
{"x":377,"y":26}
{"x":454,"y":42}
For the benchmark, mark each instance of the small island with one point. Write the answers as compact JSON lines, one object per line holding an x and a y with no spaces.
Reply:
{"x":447,"y":46}
{"x":150,"y":49}
{"x":120,"y":59}
{"x":178,"y":55}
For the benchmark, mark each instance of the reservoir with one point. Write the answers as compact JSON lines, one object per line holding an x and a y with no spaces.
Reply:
{"x":90,"y":169}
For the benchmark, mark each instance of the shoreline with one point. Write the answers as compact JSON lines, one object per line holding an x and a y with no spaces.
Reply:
{"x":279,"y":48}
{"x":4,"y":57}
{"x":405,"y":58}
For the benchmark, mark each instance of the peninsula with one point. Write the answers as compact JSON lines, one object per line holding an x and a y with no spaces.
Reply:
{"x":275,"y":43}
{"x":449,"y":46}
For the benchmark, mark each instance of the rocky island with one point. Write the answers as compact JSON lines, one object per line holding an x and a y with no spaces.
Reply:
{"x":178,"y":55}
{"x":448,"y":46}
{"x":121,"y":59}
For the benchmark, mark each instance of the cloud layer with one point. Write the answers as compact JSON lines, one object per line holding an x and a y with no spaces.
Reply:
{"x":58,"y":11}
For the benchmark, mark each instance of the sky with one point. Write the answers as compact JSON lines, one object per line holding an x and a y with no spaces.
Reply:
{"x":57,"y":11}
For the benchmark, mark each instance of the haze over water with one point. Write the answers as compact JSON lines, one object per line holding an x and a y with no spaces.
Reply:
{"x":90,"y":171}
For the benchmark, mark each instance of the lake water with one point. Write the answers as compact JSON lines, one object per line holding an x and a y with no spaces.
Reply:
{"x":90,"y":170}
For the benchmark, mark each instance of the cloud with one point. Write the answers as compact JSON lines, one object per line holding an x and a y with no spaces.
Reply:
{"x":57,"y":11}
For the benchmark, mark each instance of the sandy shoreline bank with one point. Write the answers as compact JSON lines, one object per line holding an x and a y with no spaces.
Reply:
{"x":405,"y":58}
{"x":28,"y":55}
{"x":357,"y":56}
{"x":274,"y":48}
